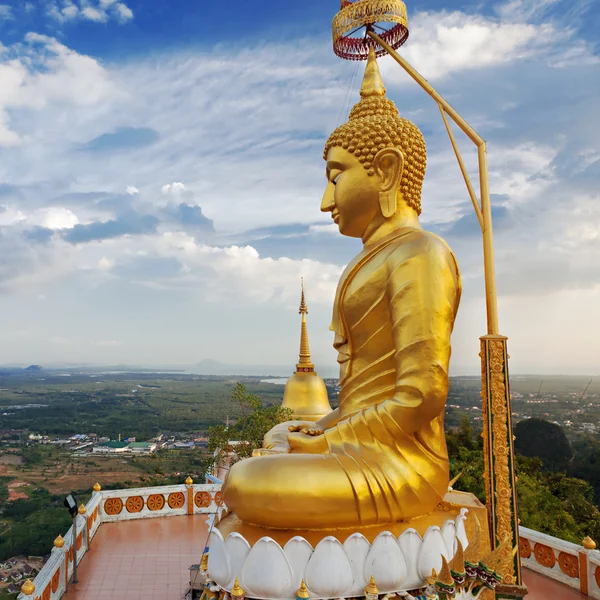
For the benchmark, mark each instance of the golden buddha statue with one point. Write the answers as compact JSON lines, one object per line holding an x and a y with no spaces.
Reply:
{"x":305,"y":392}
{"x":381,"y":456}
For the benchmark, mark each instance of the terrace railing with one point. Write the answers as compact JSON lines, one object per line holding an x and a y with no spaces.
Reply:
{"x":574,"y":565}
{"x":108,"y":506}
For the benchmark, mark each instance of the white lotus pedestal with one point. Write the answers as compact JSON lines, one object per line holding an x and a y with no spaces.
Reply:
{"x":270,"y":564}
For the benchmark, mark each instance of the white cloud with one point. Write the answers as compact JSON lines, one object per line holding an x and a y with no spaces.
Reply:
{"x":70,"y":10}
{"x":104,"y":264}
{"x":47,"y":73}
{"x":132,"y":190}
{"x":5,"y":12}
{"x":54,"y":217}
{"x":59,"y":341}
{"x":106,"y":343}
{"x":124,"y":13}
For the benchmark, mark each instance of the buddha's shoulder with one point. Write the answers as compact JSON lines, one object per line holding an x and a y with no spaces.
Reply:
{"x":419,"y":242}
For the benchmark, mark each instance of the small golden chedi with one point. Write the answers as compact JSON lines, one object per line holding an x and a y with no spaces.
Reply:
{"x":381,"y":456}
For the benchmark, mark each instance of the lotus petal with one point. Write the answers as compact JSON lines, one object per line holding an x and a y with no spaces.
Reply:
{"x":218,"y":561}
{"x":357,"y":548}
{"x":237,"y":551}
{"x":386,"y":563}
{"x":449,"y":535}
{"x":329,"y":572}
{"x":267,"y":572}
{"x":461,"y":532}
{"x":298,"y":552}
{"x":430,"y":556}
{"x":410,"y":544}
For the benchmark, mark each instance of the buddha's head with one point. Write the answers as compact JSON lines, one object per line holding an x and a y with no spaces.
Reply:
{"x":375,"y":161}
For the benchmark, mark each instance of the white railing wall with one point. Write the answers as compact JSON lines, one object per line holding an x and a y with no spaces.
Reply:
{"x":562,"y":561}
{"x":108,"y":506}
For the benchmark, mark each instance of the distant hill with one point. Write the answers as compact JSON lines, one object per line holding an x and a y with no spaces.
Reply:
{"x":33,"y":369}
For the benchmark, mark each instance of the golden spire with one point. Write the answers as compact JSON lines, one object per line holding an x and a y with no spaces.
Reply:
{"x":372,"y":587}
{"x":372,"y":84}
{"x":305,"y":364}
{"x":302,"y":592}
{"x":237,"y":591}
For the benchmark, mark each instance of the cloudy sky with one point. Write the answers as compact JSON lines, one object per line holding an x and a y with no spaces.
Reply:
{"x":161,"y":173}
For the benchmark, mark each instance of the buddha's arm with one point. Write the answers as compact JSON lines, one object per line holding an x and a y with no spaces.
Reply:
{"x":423,"y":292}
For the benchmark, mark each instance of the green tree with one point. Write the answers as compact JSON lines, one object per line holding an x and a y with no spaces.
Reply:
{"x":249,"y":430}
{"x":536,"y":438}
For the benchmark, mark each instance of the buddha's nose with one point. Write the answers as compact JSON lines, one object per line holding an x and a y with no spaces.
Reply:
{"x":328,"y":202}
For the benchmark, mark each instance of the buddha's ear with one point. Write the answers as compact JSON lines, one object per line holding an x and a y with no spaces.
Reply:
{"x":388,"y":164}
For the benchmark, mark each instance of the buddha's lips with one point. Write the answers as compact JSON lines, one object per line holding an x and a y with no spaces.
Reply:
{"x":335,"y":215}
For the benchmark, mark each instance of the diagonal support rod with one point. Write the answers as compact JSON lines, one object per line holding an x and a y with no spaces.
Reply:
{"x":486,"y":208}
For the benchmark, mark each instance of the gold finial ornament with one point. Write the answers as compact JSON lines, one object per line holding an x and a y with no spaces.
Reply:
{"x":305,"y":392}
{"x":189,"y":480}
{"x":96,"y":487}
{"x":371,"y":591}
{"x":388,"y":16}
{"x":59,"y":542}
{"x":28,"y":587}
{"x":302,"y":592}
{"x":82,"y":509}
{"x":204,"y":562}
{"x":375,"y":125}
{"x":237,"y":591}
{"x":588,"y":543}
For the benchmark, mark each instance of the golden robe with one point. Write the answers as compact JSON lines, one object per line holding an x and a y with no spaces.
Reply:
{"x":386,"y":459}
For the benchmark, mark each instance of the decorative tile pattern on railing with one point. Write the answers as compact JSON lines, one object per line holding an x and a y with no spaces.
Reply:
{"x":105,"y":506}
{"x":562,"y":561}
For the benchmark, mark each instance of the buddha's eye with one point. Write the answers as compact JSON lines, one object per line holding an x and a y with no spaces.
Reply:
{"x":336,"y":178}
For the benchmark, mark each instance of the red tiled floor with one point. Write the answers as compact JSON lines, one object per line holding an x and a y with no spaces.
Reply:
{"x":144,"y":559}
{"x":542,"y":588}
{"x":148,"y":559}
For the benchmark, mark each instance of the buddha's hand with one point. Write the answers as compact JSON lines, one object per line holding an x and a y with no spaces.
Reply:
{"x":305,"y":430}
{"x":308,"y":443}
{"x":277,"y":438}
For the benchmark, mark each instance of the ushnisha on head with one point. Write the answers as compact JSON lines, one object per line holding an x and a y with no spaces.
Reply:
{"x":390,"y":149}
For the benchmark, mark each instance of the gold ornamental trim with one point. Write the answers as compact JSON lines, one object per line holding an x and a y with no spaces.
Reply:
{"x":360,"y":13}
{"x":368,"y":12}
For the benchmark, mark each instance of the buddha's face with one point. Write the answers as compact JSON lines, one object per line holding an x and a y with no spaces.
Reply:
{"x":351,"y":196}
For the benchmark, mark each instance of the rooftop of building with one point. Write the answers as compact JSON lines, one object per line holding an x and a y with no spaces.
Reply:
{"x":114,"y":444}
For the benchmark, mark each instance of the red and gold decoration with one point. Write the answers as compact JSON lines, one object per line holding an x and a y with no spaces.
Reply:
{"x":176,"y":500}
{"x":113,"y":506}
{"x":569,"y":564}
{"x":155,"y":502}
{"x":387,"y":17}
{"x":134,"y":504}
{"x":544,"y":555}
{"x":202,"y":499}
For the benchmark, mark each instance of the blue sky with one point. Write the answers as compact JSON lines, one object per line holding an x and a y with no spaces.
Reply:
{"x":161,"y":173}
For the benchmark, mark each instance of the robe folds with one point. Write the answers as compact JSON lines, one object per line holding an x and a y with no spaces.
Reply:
{"x":385,"y":460}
